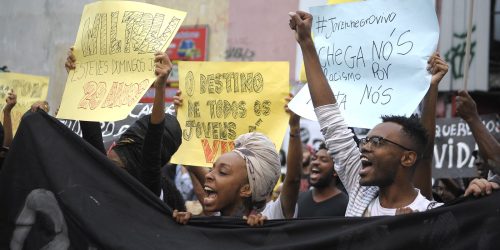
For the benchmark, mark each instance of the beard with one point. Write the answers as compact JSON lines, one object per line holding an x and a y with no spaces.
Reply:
{"x":325,"y":180}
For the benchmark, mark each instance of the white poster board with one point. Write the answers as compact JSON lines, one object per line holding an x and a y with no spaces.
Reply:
{"x":374,"y":55}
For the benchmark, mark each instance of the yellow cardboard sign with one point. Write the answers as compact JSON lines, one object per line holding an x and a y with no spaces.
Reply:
{"x":28,"y":88}
{"x":222,"y":100}
{"x":114,"y":52}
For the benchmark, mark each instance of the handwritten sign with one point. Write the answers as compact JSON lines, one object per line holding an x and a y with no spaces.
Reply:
{"x":114,"y":52}
{"x":28,"y":88}
{"x":374,"y":55}
{"x":454,"y":145}
{"x":223,"y":100}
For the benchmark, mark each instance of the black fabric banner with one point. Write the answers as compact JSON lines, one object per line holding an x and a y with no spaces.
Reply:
{"x":57,"y":192}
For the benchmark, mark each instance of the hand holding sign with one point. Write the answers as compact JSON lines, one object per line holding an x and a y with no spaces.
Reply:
{"x":113,"y":63}
{"x":70,"y":60}
{"x":178,"y":100}
{"x":163,"y":67}
{"x":20,"y":91}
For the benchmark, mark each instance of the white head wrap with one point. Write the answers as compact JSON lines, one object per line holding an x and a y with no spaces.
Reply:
{"x":262,"y":161}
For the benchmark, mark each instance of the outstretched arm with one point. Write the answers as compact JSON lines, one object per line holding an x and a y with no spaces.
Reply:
{"x":321,"y":93}
{"x":422,"y":179}
{"x":489,"y":148}
{"x":163,"y":66}
{"x":338,"y":137}
{"x":291,"y":184}
{"x":151,"y":150}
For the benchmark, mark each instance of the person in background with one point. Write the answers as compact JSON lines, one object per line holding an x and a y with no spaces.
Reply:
{"x":445,"y":190}
{"x":482,"y":166}
{"x":149,"y":143}
{"x":325,"y":198}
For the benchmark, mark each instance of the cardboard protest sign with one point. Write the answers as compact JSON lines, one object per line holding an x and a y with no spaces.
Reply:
{"x":114,"y":52}
{"x":374,"y":55}
{"x":28,"y":88}
{"x":223,"y":100}
{"x":454,"y":144}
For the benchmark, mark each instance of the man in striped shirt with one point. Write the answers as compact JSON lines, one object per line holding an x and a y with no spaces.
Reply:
{"x":379,"y":175}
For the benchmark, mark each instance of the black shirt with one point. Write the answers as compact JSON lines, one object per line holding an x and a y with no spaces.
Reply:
{"x":335,"y":206}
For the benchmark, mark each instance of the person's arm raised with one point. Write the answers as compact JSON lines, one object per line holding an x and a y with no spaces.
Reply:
{"x":290,"y":192}
{"x":11,"y":101}
{"x":151,"y":149}
{"x":338,"y":137}
{"x":321,"y":93}
{"x":163,"y":67}
{"x":488,"y":146}
{"x":422,"y":179}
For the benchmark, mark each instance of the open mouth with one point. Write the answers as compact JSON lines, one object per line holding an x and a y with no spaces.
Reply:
{"x":210,"y":197}
{"x":366,"y":165}
{"x":210,"y":192}
{"x":314,"y":174}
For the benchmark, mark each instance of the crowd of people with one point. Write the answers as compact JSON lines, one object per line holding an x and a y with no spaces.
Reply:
{"x":388,"y":172}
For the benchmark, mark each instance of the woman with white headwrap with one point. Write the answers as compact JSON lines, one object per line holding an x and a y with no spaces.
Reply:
{"x":241,"y":180}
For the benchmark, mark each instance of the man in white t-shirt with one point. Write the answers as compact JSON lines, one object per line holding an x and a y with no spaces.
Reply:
{"x":378,"y":175}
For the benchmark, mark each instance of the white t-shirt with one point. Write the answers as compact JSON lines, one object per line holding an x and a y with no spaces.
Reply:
{"x":274,"y":210}
{"x":420,"y":204}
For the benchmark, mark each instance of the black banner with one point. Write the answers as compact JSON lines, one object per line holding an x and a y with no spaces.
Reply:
{"x":111,"y":131}
{"x":454,"y":145}
{"x":57,"y":192}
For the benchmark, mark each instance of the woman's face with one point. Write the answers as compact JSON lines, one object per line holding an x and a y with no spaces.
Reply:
{"x":226,"y":185}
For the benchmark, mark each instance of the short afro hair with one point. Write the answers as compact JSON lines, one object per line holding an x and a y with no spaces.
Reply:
{"x":413,"y":128}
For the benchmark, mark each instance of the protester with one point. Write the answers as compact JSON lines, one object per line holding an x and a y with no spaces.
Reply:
{"x":481,"y":165}
{"x":445,"y":190}
{"x":325,"y":198}
{"x":241,"y":180}
{"x":379,"y":175}
{"x":149,"y":143}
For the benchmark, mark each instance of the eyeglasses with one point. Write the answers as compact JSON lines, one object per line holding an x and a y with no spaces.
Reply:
{"x":377,"y":140}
